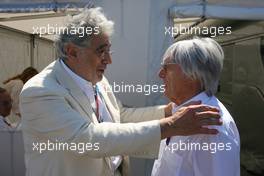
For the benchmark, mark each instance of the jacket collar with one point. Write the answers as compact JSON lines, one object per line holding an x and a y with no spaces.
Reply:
{"x":65,"y":79}
{"x":67,"y":82}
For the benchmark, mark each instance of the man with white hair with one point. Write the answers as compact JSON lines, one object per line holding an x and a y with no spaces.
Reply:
{"x":67,"y":106}
{"x":191,"y":71}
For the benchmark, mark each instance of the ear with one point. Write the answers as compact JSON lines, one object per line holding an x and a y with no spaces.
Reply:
{"x":71,"y":51}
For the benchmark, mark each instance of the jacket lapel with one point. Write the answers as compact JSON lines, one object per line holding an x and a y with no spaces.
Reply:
{"x":111,"y":108}
{"x":74,"y":90}
{"x":80,"y":97}
{"x":84,"y":103}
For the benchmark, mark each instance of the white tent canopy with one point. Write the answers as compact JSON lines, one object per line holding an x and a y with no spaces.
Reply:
{"x":219,"y":9}
{"x":146,"y":24}
{"x":17,"y":6}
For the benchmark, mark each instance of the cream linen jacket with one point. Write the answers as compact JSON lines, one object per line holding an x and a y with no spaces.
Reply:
{"x":55,"y":110}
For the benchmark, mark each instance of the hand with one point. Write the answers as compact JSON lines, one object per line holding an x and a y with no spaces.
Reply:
{"x":190,"y":120}
{"x":168,"y":107}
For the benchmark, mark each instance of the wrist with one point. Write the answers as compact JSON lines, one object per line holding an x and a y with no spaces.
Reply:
{"x":165,"y":127}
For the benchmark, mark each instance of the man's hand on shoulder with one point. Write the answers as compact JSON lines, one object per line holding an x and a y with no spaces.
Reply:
{"x":190,"y":120}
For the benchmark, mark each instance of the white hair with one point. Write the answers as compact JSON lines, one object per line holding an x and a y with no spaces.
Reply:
{"x":88,"y":19}
{"x":200,"y":59}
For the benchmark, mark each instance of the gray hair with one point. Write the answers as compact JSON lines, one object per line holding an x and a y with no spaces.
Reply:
{"x":76,"y":29}
{"x":200,"y":59}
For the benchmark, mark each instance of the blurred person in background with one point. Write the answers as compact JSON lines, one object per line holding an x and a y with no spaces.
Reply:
{"x":14,"y":86}
{"x":5,"y":108}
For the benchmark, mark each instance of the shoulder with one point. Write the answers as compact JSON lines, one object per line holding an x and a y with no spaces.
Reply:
{"x":13,"y":84}
{"x":225,"y":115}
{"x":16,"y":82}
{"x":228,"y":131}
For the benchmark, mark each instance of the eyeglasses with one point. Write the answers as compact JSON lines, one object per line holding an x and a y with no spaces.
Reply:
{"x":164,"y":65}
{"x":103,"y":52}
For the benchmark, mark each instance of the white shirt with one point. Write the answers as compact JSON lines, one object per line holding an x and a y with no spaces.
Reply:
{"x":202,"y":155}
{"x":89,"y":90}
{"x":3,"y":125}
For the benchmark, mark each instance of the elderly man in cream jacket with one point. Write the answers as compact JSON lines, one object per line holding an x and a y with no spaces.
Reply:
{"x":73,"y":124}
{"x":191,"y":71}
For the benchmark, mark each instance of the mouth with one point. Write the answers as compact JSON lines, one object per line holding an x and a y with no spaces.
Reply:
{"x":101,"y":70}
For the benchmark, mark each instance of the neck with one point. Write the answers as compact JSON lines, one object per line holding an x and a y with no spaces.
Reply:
{"x":75,"y":70}
{"x":187,"y":94}
{"x":183,"y":99}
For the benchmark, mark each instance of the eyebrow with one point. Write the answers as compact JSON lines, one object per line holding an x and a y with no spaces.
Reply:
{"x":103,"y":46}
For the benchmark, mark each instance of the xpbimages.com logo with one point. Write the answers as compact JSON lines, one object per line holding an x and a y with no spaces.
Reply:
{"x":146,"y":89}
{"x":80,"y":147}
{"x":187,"y":145}
{"x":57,"y":30}
{"x":212,"y":31}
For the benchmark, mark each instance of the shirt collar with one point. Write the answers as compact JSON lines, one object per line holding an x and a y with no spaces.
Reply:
{"x":82,"y":83}
{"x":200,"y":97}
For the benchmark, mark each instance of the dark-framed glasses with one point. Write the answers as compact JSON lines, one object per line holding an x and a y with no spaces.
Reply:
{"x":103,"y":52}
{"x":164,"y":65}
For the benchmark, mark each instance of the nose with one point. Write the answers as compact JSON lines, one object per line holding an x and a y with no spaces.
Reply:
{"x":107,"y":59}
{"x":161,"y":73}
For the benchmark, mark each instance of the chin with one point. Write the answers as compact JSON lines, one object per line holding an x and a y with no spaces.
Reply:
{"x":100,"y":77}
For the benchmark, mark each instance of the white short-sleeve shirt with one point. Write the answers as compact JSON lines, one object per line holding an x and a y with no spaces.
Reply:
{"x":202,"y":155}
